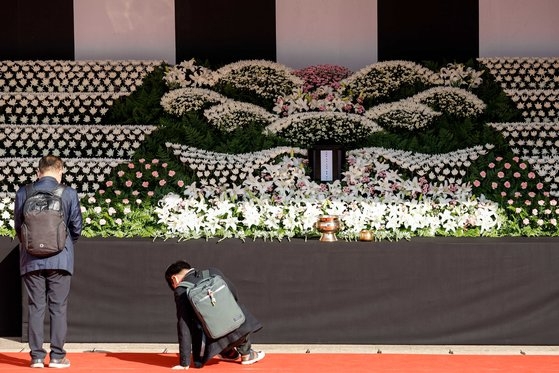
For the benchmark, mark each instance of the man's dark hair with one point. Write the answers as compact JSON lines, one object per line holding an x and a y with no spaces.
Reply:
{"x":50,"y":162}
{"x":175,"y":268}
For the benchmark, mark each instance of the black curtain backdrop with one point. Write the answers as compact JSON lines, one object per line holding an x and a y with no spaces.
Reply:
{"x":224,"y":31}
{"x":37,"y":30}
{"x":424,"y":291}
{"x":10,"y":289}
{"x":434,"y":30}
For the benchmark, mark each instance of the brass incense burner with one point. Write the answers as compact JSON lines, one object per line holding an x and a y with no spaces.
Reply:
{"x":328,"y":226}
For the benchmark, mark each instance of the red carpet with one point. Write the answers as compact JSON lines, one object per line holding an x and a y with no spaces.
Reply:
{"x":323,"y":363}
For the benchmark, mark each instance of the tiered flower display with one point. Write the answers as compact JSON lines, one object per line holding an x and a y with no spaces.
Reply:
{"x":428,"y":152}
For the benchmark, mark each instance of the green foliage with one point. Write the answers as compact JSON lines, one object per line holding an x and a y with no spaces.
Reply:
{"x":143,"y":105}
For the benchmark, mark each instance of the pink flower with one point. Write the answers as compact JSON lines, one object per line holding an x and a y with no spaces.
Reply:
{"x":539,"y":186}
{"x":162,"y":182}
{"x":101,"y":191}
{"x":171,"y":173}
{"x":131,"y":165}
{"x":128,"y":183}
{"x":155,"y":174}
{"x":516,"y":174}
{"x":503,"y":194}
{"x":516,"y":159}
{"x":527,"y":202}
{"x":139,"y":174}
{"x":148,"y":166}
{"x":150,"y":193}
{"x":109,"y":184}
{"x":500,"y":174}
{"x":499,"y":159}
{"x":164,"y":165}
{"x":180,"y":183}
{"x":141,"y":160}
{"x":524,"y":185}
{"x":120,"y":173}
{"x":494,"y":185}
{"x":507,"y":165}
{"x":507,"y":184}
{"x":531,"y":175}
{"x":531,"y":194}
{"x":155,"y":161}
{"x":145,"y":184}
{"x":491,"y":165}
{"x":482,"y":174}
{"x":522,"y":165}
{"x":477,"y":183}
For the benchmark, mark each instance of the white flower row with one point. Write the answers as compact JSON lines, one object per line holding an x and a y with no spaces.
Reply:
{"x":55,"y":108}
{"x":540,"y":105}
{"x":312,"y":128}
{"x":223,"y":171}
{"x":232,"y":114}
{"x":182,"y":100}
{"x":72,"y":141}
{"x":86,"y":175}
{"x":199,"y":217}
{"x":437,"y":168}
{"x":547,"y":167}
{"x":524,"y":72}
{"x":73,"y":76}
{"x":402,"y":114}
{"x":530,"y":139}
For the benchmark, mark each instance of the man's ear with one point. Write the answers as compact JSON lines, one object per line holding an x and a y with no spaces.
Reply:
{"x":175,"y":280}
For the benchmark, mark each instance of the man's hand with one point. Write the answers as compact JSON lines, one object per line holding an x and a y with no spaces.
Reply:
{"x":179,"y":367}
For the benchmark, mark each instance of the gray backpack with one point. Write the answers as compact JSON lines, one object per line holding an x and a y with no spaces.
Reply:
{"x":43,"y":231}
{"x":214,"y":304}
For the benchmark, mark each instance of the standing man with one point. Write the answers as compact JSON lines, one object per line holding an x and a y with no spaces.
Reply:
{"x":194,"y":344}
{"x":47,"y":279}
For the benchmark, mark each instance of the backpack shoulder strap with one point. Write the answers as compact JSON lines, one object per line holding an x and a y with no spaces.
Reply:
{"x":29,"y":190}
{"x":200,"y":275}
{"x":58,"y":190}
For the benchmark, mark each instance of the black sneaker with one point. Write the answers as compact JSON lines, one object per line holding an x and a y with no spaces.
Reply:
{"x":59,"y":363}
{"x":37,"y":363}
{"x":252,"y":357}
{"x":229,"y":355}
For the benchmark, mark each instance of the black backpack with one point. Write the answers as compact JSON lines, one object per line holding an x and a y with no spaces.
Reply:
{"x":43,"y":232}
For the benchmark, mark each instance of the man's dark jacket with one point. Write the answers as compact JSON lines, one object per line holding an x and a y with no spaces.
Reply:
{"x":73,"y":216}
{"x":190,"y":331}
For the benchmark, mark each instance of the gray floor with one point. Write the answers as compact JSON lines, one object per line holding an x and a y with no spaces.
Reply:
{"x":14,"y":345}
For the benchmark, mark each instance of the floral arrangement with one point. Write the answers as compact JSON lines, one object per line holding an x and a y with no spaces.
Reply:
{"x":289,"y":203}
{"x":184,"y":177}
